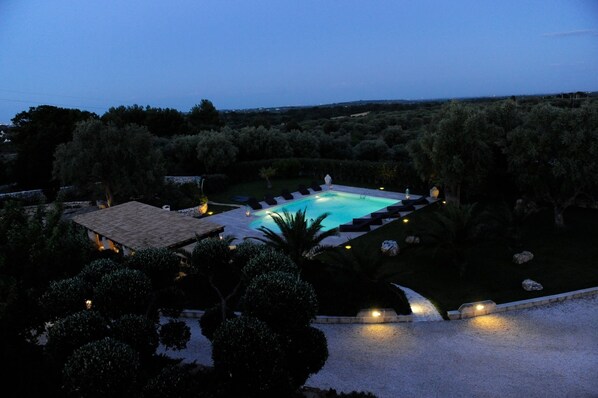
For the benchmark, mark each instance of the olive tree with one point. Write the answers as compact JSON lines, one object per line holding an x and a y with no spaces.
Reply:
{"x":553,"y":155}
{"x":455,"y":152}
{"x":216,"y":151}
{"x":122,"y":159}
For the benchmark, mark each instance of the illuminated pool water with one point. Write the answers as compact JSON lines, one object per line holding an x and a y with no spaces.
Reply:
{"x":343,"y":207}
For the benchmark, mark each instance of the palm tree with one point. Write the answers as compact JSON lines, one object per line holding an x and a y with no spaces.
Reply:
{"x":298,"y":238}
{"x":452,"y":232}
{"x":266,"y":173}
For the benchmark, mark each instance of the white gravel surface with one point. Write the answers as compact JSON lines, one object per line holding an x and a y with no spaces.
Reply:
{"x":549,"y":351}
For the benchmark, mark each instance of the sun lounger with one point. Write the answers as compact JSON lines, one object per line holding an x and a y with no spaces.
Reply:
{"x":270,"y":200}
{"x":368,"y":220}
{"x":363,"y":226}
{"x":419,"y":201}
{"x":254,"y":204}
{"x":315,"y":186}
{"x":404,"y":207}
{"x":303,"y":190}
{"x":286,"y":195}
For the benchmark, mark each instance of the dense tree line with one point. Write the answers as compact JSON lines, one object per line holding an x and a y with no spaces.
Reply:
{"x":469,"y":148}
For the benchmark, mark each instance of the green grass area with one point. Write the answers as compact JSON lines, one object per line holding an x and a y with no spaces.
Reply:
{"x":563,"y":261}
{"x":258,"y":189}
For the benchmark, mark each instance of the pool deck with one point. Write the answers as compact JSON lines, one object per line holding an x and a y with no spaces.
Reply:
{"x":236,"y":223}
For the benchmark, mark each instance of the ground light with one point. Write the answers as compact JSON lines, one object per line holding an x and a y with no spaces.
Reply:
{"x":381,"y":188}
{"x":348,"y":247}
{"x":405,"y":220}
{"x":477,"y":308}
{"x":376,"y":314}
{"x":210,"y":213}
{"x":444,"y":202}
{"x":88,"y":304}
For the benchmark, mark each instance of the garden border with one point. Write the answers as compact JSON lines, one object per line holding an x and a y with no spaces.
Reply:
{"x":522,"y":304}
{"x":452,"y":315}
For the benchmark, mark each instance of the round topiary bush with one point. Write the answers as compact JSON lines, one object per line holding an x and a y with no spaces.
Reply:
{"x":73,"y":331}
{"x":64,"y":297}
{"x":247,"y":250}
{"x":103,"y":368}
{"x":172,"y":382}
{"x":212,"y":319}
{"x":248,"y":356}
{"x":306,"y":352}
{"x":211,"y":254}
{"x":175,"y":334}
{"x":93,"y":272}
{"x":282,"y":300}
{"x":125,"y":291}
{"x":269,"y":261}
{"x":138,"y":332}
{"x":160,"y":265}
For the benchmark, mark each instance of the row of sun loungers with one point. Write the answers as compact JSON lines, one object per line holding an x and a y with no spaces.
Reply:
{"x":269,"y":199}
{"x":363,"y":224}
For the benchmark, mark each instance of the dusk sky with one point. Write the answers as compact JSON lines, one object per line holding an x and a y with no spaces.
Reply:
{"x":245,"y":54}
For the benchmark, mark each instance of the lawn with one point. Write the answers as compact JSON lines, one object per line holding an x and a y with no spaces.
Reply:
{"x":564,"y":261}
{"x":258,"y":189}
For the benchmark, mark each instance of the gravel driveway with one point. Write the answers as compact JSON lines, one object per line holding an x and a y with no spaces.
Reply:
{"x":549,"y":351}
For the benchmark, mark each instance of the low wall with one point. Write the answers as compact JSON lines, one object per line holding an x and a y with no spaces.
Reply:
{"x":322,"y":319}
{"x":522,"y":304}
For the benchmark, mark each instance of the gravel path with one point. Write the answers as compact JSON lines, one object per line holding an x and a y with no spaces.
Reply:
{"x":422,"y":309}
{"x":549,"y":351}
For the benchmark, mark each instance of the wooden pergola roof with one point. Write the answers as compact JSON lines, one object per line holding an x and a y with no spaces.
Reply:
{"x":139,"y":226}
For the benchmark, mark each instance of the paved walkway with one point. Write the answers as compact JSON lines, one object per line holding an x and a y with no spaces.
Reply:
{"x":549,"y":351}
{"x":423,"y":310}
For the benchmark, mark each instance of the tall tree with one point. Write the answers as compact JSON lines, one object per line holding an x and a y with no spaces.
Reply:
{"x":36,"y":134}
{"x":553,"y":155}
{"x":123,"y":160}
{"x":455,"y":152}
{"x":204,"y":117}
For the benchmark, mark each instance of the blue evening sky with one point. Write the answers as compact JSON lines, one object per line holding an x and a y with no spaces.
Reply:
{"x":93,"y":54}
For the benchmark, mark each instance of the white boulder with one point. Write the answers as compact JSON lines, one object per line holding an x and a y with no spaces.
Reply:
{"x":412,"y":240}
{"x":523,"y":257}
{"x":531,"y":285}
{"x":390,"y":248}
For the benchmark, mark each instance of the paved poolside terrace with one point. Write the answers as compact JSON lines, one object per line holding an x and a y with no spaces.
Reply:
{"x":236,"y":223}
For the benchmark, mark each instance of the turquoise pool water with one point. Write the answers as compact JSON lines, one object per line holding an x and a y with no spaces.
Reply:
{"x":343,"y":207}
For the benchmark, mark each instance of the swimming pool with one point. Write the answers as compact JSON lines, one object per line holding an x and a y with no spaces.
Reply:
{"x":343,"y":208}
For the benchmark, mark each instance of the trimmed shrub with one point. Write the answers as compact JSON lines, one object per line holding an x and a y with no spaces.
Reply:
{"x":306,"y":352}
{"x":210,"y":255}
{"x":72,"y":332}
{"x":248,"y":356}
{"x":103,"y":368}
{"x":93,"y":272}
{"x":269,"y":261}
{"x":282,"y":300}
{"x":175,"y":335}
{"x":138,"y":332}
{"x":212,"y":319}
{"x":160,"y":265}
{"x":64,"y":297}
{"x":173,"y":381}
{"x":125,"y":291}
{"x":247,"y":250}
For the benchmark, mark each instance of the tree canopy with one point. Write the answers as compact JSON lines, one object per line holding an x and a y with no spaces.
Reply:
{"x":36,"y":134}
{"x":121,"y":159}
{"x":553,"y":155}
